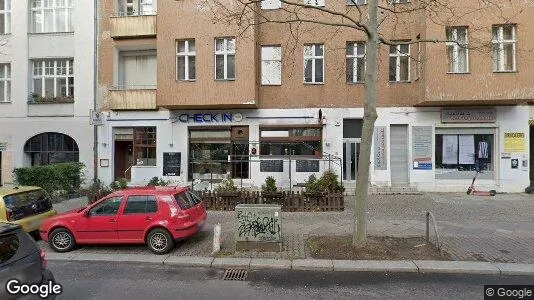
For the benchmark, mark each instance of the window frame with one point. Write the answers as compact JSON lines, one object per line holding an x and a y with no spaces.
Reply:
{"x":322,"y":4}
{"x":272,"y":59}
{"x":91,"y":210}
{"x":186,"y":55}
{"x":6,"y":15}
{"x":290,"y":139}
{"x":6,"y":81}
{"x":55,"y":8}
{"x":225,"y":53}
{"x":355,"y":2}
{"x":144,"y":142}
{"x":276,"y":4}
{"x":501,"y":42}
{"x":454,"y":43}
{"x":398,"y":56}
{"x":355,"y":57}
{"x":145,"y":212}
{"x":313,"y":58}
{"x":69,"y":74}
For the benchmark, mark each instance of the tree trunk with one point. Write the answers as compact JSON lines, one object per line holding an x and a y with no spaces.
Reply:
{"x":369,"y":118}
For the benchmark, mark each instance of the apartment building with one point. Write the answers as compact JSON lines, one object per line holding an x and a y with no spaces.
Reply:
{"x":46,"y":83}
{"x":188,"y":98}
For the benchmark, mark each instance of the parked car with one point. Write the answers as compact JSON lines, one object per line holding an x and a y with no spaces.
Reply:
{"x":27,"y":206}
{"x":21,"y":259}
{"x":157,"y":216}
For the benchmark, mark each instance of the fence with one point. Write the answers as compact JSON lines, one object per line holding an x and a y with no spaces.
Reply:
{"x":290,"y":201}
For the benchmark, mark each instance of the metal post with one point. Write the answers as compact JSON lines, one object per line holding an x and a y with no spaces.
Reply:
{"x":428,"y":227}
{"x":290,"y":183}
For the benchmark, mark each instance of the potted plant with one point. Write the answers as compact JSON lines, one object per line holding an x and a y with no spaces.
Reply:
{"x":313,"y":187}
{"x":269,"y":189}
{"x":227,"y":188}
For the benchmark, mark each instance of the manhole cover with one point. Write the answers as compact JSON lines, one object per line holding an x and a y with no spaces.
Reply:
{"x":235,"y":275}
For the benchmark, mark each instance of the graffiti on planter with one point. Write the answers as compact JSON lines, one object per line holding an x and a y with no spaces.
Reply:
{"x":255,"y":226}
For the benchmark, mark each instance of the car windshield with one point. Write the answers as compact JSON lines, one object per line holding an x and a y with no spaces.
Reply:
{"x":25,"y":198}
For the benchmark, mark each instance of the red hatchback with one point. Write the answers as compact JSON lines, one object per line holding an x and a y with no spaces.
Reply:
{"x":157,"y":216}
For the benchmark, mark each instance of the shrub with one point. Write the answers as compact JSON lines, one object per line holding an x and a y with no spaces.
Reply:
{"x":57,"y":178}
{"x":327,"y":183}
{"x":97,"y":190}
{"x":270,"y":185}
{"x":155,"y":181}
{"x":120,"y":184}
{"x":226,"y":185}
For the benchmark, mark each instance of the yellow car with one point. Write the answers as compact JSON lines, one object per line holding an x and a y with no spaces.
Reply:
{"x":26,"y":206}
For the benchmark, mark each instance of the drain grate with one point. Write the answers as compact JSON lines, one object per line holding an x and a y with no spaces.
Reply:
{"x":234,"y":274}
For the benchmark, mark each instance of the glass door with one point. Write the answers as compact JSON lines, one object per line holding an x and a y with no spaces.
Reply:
{"x":351,"y":152}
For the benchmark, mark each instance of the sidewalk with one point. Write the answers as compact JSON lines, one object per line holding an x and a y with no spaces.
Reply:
{"x":490,"y":229}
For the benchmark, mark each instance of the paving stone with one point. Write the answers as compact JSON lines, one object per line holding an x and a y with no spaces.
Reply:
{"x":375,"y":266}
{"x":458,"y":267}
{"x":266,"y":263}
{"x":515,"y":269}
{"x":313,"y":264}
{"x":224,"y":262}
{"x":189,"y":261}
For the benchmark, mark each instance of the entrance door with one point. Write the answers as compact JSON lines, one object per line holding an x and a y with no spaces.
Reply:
{"x":123,"y":159}
{"x":399,"y":155}
{"x":351,"y":152}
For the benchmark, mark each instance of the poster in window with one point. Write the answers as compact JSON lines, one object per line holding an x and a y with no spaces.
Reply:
{"x":450,"y":149}
{"x":422,"y":147}
{"x":307,"y":165}
{"x":172,"y":162}
{"x":466,"y":149}
{"x":272,"y":165}
{"x":514,"y":142}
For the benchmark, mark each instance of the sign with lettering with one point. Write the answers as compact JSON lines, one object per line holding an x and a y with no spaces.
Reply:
{"x":210,"y":118}
{"x":468,"y":115}
{"x":272,"y":166}
{"x":514,"y":142}
{"x":172,"y":162}
{"x":380,"y":148}
{"x":422,"y":147}
{"x":307,"y":165}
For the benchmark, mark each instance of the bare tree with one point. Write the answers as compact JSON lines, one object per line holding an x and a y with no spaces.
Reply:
{"x":379,"y":21}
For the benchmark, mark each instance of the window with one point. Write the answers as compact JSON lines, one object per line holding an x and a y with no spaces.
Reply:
{"x":225,"y":58}
{"x":51,"y":148}
{"x":5,"y":82}
{"x":271,"y":4}
{"x":399,"y":63}
{"x":401,"y":1}
{"x":185,"y":60}
{"x":137,"y":7}
{"x":314,"y":2}
{"x":271,"y":65}
{"x":504,"y":48}
{"x":52,"y":16}
{"x":137,"y":70}
{"x":187,"y":200}
{"x":145,"y":146}
{"x":314,"y":63}
{"x":53,"y":78}
{"x":281,"y":140}
{"x":356,"y":2}
{"x":108,"y":207}
{"x":355,"y":61}
{"x":457,"y":52}
{"x":9,"y":245}
{"x":141,"y":205}
{"x":5,"y":16}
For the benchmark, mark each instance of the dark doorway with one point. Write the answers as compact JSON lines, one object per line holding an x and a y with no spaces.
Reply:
{"x":123,"y":159}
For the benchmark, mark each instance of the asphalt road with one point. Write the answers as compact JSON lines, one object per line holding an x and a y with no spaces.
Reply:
{"x":106,"y":280}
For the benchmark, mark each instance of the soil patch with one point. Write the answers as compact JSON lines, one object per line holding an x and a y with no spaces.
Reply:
{"x":376,"y":248}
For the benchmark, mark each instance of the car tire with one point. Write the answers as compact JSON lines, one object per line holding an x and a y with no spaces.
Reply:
{"x":61,"y":240}
{"x":159,"y":241}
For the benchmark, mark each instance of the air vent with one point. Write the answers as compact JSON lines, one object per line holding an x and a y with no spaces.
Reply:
{"x":235,"y":275}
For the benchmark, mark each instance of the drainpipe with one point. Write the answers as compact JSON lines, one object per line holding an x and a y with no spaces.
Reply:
{"x":95,"y":88}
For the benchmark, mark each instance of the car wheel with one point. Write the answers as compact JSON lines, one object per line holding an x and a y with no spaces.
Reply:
{"x":61,"y":240}
{"x":159,"y":241}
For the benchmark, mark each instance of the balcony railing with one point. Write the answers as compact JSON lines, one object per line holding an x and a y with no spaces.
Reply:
{"x":139,"y":97}
{"x":136,"y":25}
{"x":35,"y":98}
{"x":134,"y":13}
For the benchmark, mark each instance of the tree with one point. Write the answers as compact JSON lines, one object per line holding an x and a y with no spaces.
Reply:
{"x":379,"y":21}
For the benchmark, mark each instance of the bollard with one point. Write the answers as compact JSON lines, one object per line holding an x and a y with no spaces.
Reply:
{"x":216,"y":238}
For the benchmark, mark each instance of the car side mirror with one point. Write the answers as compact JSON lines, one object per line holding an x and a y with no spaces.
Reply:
{"x":87,"y":213}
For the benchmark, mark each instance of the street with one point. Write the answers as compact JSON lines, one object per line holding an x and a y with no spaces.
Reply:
{"x":107,"y":280}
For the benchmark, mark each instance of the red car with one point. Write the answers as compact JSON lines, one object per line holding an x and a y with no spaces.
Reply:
{"x":157,"y":216}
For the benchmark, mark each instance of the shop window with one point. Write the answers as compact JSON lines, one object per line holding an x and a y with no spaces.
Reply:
{"x":51,"y":148}
{"x":290,"y":140}
{"x":145,"y":146}
{"x":459,"y":155}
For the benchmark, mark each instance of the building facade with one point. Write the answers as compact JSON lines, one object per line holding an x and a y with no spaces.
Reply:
{"x":186,"y":98}
{"x":47,"y":84}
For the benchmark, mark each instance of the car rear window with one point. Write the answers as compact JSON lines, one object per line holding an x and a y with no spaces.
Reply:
{"x":26,"y":204}
{"x":187,"y":199}
{"x":9,"y":244}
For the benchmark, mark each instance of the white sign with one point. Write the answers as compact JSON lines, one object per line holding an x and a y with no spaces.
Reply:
{"x":96,"y":118}
{"x":468,"y":115}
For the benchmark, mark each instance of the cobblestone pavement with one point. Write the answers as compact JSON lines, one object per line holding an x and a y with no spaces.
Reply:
{"x":499,"y":228}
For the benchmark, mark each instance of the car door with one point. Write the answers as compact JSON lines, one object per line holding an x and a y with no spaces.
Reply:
{"x":100,"y":223}
{"x":138,"y":213}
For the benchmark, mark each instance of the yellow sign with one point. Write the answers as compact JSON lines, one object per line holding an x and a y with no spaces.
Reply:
{"x":514,"y":142}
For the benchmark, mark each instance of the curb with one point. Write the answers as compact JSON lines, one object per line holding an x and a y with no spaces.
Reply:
{"x":383,"y":266}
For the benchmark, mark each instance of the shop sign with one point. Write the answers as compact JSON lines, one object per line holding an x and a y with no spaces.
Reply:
{"x":422,"y":147}
{"x":473,"y":115}
{"x":172,"y":162}
{"x":380,"y":148}
{"x":514,"y":142}
{"x":210,"y":118}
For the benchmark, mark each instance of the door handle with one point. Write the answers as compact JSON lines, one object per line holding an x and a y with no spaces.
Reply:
{"x":148,"y":219}
{"x":112,"y":220}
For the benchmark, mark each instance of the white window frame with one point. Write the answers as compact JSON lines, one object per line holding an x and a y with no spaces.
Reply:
{"x":454,"y":43}
{"x":313,"y":57}
{"x":43,"y":76}
{"x":500,"y":41}
{"x":400,"y":1}
{"x":6,"y":82}
{"x":398,"y":56}
{"x":137,"y":7}
{"x":318,"y":3}
{"x":225,"y":53}
{"x":6,"y":15}
{"x":271,"y":4}
{"x":186,"y":54}
{"x":355,"y":57}
{"x":56,"y":5}
{"x":276,"y":57}
{"x":355,"y":2}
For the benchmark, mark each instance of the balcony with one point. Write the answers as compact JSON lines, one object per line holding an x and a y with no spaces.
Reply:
{"x":128,"y":26}
{"x":140,"y":98}
{"x":39,"y":106}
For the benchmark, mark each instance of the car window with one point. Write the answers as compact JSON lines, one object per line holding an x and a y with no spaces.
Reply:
{"x":141,"y":205}
{"x":27,"y":203}
{"x":9,"y":244}
{"x":193,"y":198}
{"x":182,"y":201}
{"x":107,"y":207}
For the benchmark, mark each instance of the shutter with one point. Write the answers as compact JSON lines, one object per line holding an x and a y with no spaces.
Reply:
{"x":399,"y":154}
